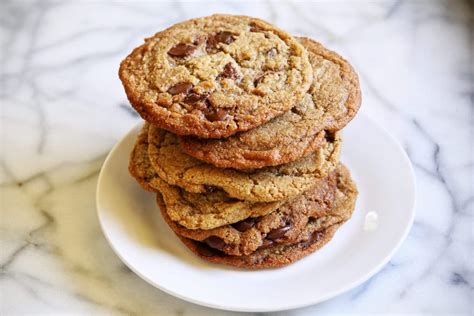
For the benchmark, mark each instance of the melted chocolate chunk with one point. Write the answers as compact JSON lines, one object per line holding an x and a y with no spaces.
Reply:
{"x":255,"y":28}
{"x":279,"y":232}
{"x":217,"y":115}
{"x":224,"y":37}
{"x":229,"y":72}
{"x":211,"y":43}
{"x":220,"y":37}
{"x":330,"y":137}
{"x":181,"y":50}
{"x":244,"y":225}
{"x":296,"y":110}
{"x":180,"y":87}
{"x":194,"y":98}
{"x":215,"y":242}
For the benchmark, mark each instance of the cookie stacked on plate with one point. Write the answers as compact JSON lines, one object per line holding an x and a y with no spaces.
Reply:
{"x":242,"y":138}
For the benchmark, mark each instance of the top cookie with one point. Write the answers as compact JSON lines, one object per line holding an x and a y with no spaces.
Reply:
{"x":331,"y":102}
{"x":215,"y":76}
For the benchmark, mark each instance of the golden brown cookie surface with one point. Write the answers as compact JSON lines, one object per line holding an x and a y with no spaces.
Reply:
{"x":257,"y":185}
{"x":331,"y":102}
{"x":192,"y":210}
{"x":328,"y":203}
{"x":215,"y":76}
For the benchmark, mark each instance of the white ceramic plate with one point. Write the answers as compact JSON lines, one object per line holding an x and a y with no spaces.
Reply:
{"x":132,"y":224}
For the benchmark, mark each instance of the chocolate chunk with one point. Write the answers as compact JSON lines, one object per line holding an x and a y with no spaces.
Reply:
{"x":244,"y":225}
{"x":255,"y":28}
{"x":217,"y":115}
{"x":194,"y":98}
{"x":224,"y":37}
{"x":211,"y":43}
{"x":266,"y":243}
{"x":180,"y":87}
{"x":330,"y":137}
{"x":215,"y":242}
{"x":278,"y":232}
{"x":229,"y":72}
{"x":220,"y":37}
{"x":296,"y":110}
{"x":181,"y":50}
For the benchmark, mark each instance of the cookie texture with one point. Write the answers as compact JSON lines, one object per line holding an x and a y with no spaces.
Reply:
{"x":331,"y":102}
{"x":139,"y":165}
{"x":335,"y":88}
{"x":327,"y":203}
{"x":258,"y":185}
{"x":275,"y":256}
{"x":284,"y":224}
{"x":215,"y":76}
{"x":192,"y":210}
{"x":313,"y":237}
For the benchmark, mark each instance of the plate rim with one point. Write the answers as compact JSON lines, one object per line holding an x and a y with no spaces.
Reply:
{"x":361,"y":279}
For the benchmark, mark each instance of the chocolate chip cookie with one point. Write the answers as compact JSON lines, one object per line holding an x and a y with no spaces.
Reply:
{"x":318,"y":205}
{"x":192,"y":210}
{"x":314,"y":236}
{"x":331,"y":102}
{"x":275,"y":256}
{"x":215,"y":76}
{"x":259,"y":185}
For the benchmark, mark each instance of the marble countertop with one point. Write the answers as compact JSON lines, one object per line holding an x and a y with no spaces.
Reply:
{"x":63,"y":108}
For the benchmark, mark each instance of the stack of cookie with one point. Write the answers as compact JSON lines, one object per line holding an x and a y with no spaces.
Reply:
{"x":241,"y":141}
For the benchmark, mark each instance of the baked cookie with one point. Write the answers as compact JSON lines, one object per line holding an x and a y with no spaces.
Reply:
{"x":215,"y":76}
{"x":139,"y":165}
{"x":259,"y":185}
{"x":192,"y":210}
{"x":331,"y":102}
{"x":284,"y":225}
{"x":275,"y":256}
{"x":314,"y":236}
